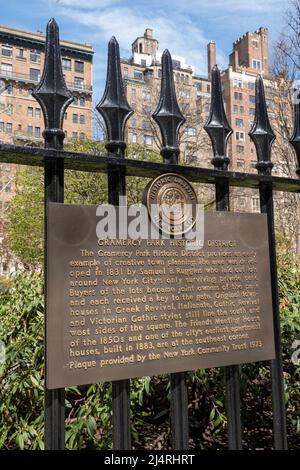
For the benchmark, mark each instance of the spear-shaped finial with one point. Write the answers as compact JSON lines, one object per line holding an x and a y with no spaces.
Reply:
{"x":217,"y":125}
{"x":52,"y":93}
{"x":295,"y":139}
{"x":261,"y":132}
{"x":167,"y":114}
{"x":113,"y":106}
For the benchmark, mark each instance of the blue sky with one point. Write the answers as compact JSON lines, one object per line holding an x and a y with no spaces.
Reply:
{"x":183,"y":26}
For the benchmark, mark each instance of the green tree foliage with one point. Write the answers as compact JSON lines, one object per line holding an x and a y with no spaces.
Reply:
{"x":26,"y":216}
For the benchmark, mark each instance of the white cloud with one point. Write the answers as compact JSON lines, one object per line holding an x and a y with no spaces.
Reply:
{"x":85,"y":5}
{"x":177,"y":25}
{"x":229,"y":6}
{"x":178,"y":33}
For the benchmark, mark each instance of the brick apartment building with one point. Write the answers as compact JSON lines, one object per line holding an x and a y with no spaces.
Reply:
{"x":21,"y":120}
{"x":142,"y":72}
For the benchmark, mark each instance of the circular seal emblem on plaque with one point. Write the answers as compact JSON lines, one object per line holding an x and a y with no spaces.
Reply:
{"x":172,"y":204}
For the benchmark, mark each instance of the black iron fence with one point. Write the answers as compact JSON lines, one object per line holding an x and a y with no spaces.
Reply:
{"x":54,"y":98}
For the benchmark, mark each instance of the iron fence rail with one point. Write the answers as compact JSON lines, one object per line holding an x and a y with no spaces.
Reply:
{"x":34,"y":156}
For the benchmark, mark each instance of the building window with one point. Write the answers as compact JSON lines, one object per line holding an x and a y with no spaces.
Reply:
{"x":186,"y":108}
{"x":6,"y":69}
{"x":148,"y":139}
{"x":82,"y":136}
{"x":251,"y":85}
{"x":271,"y":105}
{"x":37,"y":132}
{"x":20,"y":53}
{"x":190,"y":132}
{"x":159,"y":73}
{"x":9,"y":109}
{"x":9,"y":90}
{"x":65,"y":116}
{"x":252,"y":98}
{"x":208,"y":88}
{"x":255,"y":204}
{"x":255,"y":43}
{"x":240,"y":148}
{"x":125,"y":71}
{"x":137,"y":74}
{"x":9,"y":127}
{"x":252,"y":111}
{"x":1,"y":126}
{"x":30,"y":90}
{"x":74,"y":135}
{"x":78,"y":82}
{"x":239,"y":123}
{"x":198,"y":86}
{"x":238,"y":96}
{"x":235,"y":108}
{"x":240,"y":164}
{"x":143,"y":62}
{"x":146,"y":125}
{"x":146,"y":95}
{"x":30,"y":111}
{"x":7,"y":51}
{"x":242,"y":110}
{"x":75,"y":102}
{"x":8,"y":187}
{"x":242,"y":202}
{"x":184,"y":94}
{"x":19,"y":127}
{"x":256,"y":64}
{"x":35,"y":56}
{"x":79,"y":66}
{"x":238,"y":83}
{"x":82,"y":119}
{"x":66,"y":64}
{"x":38,"y":112}
{"x":240,"y":136}
{"x":34,"y":75}
{"x":134,"y":138}
{"x":75,"y":118}
{"x":82,"y":101}
{"x":133,"y":92}
{"x":29,"y":130}
{"x":133,"y":122}
{"x":148,"y":73}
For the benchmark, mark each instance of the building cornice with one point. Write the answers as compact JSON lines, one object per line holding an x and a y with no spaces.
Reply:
{"x":20,"y":38}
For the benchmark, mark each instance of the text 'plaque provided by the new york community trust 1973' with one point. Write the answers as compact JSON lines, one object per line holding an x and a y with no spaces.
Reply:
{"x":123,"y":308}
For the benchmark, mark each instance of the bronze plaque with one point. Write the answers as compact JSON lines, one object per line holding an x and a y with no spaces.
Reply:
{"x":122,"y":308}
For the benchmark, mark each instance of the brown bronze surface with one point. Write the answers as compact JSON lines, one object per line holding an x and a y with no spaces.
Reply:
{"x":128,"y":308}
